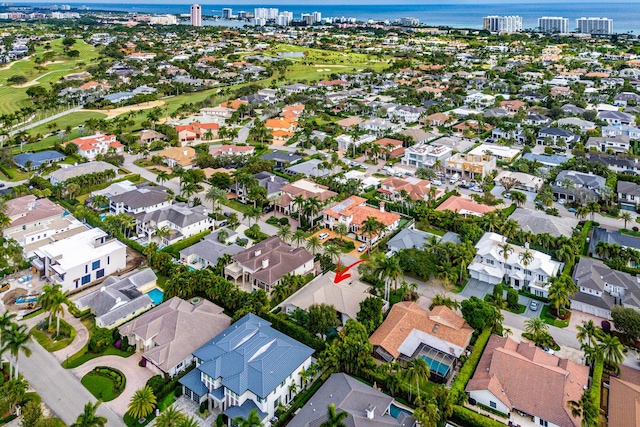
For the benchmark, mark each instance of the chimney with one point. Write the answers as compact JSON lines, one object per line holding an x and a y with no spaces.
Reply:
{"x":265,"y":263}
{"x":371,"y":411}
{"x":258,"y":252}
{"x":184,"y":153}
{"x":273,"y":178}
{"x":382,"y":206}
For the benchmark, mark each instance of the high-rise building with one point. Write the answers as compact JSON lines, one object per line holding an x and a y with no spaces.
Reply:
{"x":269,"y":14}
{"x":196,"y":15}
{"x":408,"y":22}
{"x":284,"y":18}
{"x":259,"y":22}
{"x":227,"y":13}
{"x":317,"y":16}
{"x":594,"y":25}
{"x":242,"y":14}
{"x":502,"y":24}
{"x":307,"y":18}
{"x":553,"y":24}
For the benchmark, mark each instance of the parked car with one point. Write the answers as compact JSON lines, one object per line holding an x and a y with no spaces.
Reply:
{"x":223,"y":224}
{"x":548,"y":350}
{"x":436,"y":182}
{"x":323,"y":236}
{"x":562,"y":201}
{"x":5,"y":286}
{"x":507,"y":195}
{"x":362,"y":247}
{"x":2,"y":184}
{"x":476,"y":188}
{"x":572,"y":210}
{"x":226,"y":214}
{"x":533,"y":305}
{"x":268,"y":208}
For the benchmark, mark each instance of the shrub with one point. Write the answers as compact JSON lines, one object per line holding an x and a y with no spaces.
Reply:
{"x":284,"y":221}
{"x":468,"y":418}
{"x":466,"y":372}
{"x":156,"y":383}
{"x":512,"y":298}
{"x":101,"y":339}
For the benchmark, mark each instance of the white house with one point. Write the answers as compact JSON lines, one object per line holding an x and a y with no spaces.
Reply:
{"x":140,"y":200}
{"x":80,"y":259}
{"x":491,"y":266}
{"x":425,"y":155}
{"x":182,"y":220}
{"x":90,"y":146}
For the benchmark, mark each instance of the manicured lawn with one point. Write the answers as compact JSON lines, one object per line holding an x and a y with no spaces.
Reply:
{"x":550,"y":319}
{"x":234,"y":204}
{"x":84,"y":355}
{"x":49,"y":344}
{"x":431,"y":230}
{"x":101,"y":387}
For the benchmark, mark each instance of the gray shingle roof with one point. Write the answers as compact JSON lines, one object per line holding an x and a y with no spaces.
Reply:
{"x":210,"y":249}
{"x":539,"y":222}
{"x":629,"y":188}
{"x":582,"y":179}
{"x":179,"y":214}
{"x":594,"y":274}
{"x":250,"y":355}
{"x":141,"y":197}
{"x":351,"y":396}
{"x":38,"y":158}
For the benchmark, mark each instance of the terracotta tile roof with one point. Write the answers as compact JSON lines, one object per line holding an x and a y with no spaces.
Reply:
{"x":405,"y":317}
{"x":184,"y":156}
{"x":624,"y":403}
{"x":85,"y":143}
{"x":458,"y":204}
{"x":307,"y":189}
{"x":530,"y":380}
{"x":417,"y":190}
{"x":280,"y":123}
{"x":388,"y":142}
{"x":333,"y":82}
{"x":355,"y":207}
{"x":234,"y":105}
{"x":349,"y":122}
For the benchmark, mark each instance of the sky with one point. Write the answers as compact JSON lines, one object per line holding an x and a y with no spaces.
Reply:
{"x":317,"y":2}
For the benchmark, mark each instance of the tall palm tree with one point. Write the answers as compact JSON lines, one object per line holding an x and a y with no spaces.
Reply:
{"x":88,"y":418}
{"x":418,"y":371}
{"x":56,"y":306}
{"x":505,"y":250}
{"x":372,"y":227}
{"x":626,"y":217}
{"x":162,"y":177}
{"x":170,"y":417}
{"x":252,"y":420}
{"x":535,"y":326}
{"x":142,"y":403}
{"x":588,"y":333}
{"x":333,"y":251}
{"x":389,"y":271}
{"x":312,"y":207}
{"x":162,"y":233}
{"x":252,"y":213}
{"x":611,"y":349}
{"x":341,"y":230}
{"x":17,"y":341}
{"x":6,"y":320}
{"x":526,"y":258}
{"x":190,"y":422}
{"x":284,"y":232}
{"x":314,"y":244}
{"x":215,"y":195}
{"x":558,"y":295}
{"x":298,"y":237}
{"x":334,"y":418}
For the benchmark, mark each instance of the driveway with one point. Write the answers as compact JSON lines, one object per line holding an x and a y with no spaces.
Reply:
{"x":477,"y":288}
{"x":526,"y":301}
{"x":332,"y":235}
{"x":136,"y":377}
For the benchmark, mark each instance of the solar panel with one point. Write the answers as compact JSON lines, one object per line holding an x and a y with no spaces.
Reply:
{"x":342,"y":206}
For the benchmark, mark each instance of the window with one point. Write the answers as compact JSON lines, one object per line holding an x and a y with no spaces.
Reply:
{"x":108,"y":260}
{"x":493,"y":404}
{"x":86,"y":268}
{"x":95,"y":265}
{"x":543,"y":423}
{"x":86,"y":279}
{"x":100,"y":273}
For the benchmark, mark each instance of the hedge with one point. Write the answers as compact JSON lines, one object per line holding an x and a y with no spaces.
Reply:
{"x":468,"y":418}
{"x":175,"y":249}
{"x":86,"y":190}
{"x":294,"y":331}
{"x":469,"y":367}
{"x":596,"y":381}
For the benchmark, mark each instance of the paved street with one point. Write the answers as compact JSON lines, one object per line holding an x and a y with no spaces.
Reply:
{"x":59,"y":389}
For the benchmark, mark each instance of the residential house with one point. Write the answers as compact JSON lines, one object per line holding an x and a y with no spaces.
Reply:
{"x":521,"y":377}
{"x":426,"y":156}
{"x":80,"y":259}
{"x":271,"y":183}
{"x":120,"y":299}
{"x":600,"y":288}
{"x":67,"y":171}
{"x":353,"y":212}
{"x":624,"y":402}
{"x":223,"y":113}
{"x":365,"y":405}
{"x":178,"y":156}
{"x":619,"y":144}
{"x":181,"y":220}
{"x":551,"y":161}
{"x":313,"y":167}
{"x":440,"y":336}
{"x":195,"y":133}
{"x":390,"y":148}
{"x":248,"y":366}
{"x":464,"y":206}
{"x":436,"y":119}
{"x":345,"y":296}
{"x":478,"y":99}
{"x":492,"y":265}
{"x":513,"y":105}
{"x":34,"y":161}
{"x":207,"y":252}
{"x":263,"y":265}
{"x":622,"y":99}
{"x":147,"y":136}
{"x":168,"y":335}
{"x":116,"y":188}
{"x":538,"y":222}
{"x":379,"y":126}
{"x":534,"y":119}
{"x":471,"y":166}
{"x":90,"y":146}
{"x":525,"y":181}
{"x":281,"y":158}
{"x":410,"y":238}
{"x":583,"y":185}
{"x":611,"y":237}
{"x":408,"y":190}
{"x":501,"y":152}
{"x":304,"y":188}
{"x":143,"y":199}
{"x":407,"y":113}
{"x":583,"y":125}
{"x":616,"y":118}
{"x":346,"y":141}
{"x":232,"y":150}
{"x":631,"y":131}
{"x":628,"y":195}
{"x":556,"y":137}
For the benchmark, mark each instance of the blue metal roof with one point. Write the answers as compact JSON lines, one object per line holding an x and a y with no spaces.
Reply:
{"x":244,"y":410}
{"x":250,"y":355}
{"x":193,"y":382}
{"x":38,"y":158}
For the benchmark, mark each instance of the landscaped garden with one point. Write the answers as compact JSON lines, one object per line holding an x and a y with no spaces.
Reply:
{"x":101,"y":343}
{"x":345,"y":246}
{"x":550,"y":319}
{"x":104,"y":383}
{"x":51,"y":339}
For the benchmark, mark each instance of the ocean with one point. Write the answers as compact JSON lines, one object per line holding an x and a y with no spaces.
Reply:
{"x":626,"y":16}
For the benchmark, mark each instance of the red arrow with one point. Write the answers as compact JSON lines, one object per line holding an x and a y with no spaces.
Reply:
{"x":342,"y":275}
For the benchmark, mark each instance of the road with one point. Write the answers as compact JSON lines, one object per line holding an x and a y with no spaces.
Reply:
{"x":59,"y":389}
{"x":45,"y":120}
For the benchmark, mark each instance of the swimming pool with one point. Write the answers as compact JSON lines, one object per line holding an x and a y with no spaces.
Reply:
{"x":440,"y":368}
{"x":23,"y":299}
{"x":102,"y":216}
{"x":156,"y":296}
{"x":395,"y":411}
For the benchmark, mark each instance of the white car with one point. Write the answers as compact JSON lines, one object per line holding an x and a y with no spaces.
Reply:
{"x":436,"y":182}
{"x":562,"y":201}
{"x":323,"y":236}
{"x":362,"y":247}
{"x":548,"y":350}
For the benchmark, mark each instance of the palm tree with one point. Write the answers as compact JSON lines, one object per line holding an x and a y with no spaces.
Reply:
{"x":17,"y":340}
{"x":313,"y":244}
{"x":6,"y":320}
{"x":215,"y":195}
{"x":526,"y":258}
{"x":535,"y":326}
{"x":418,"y":370}
{"x":56,"y":306}
{"x":585,"y":409}
{"x":253,"y":420}
{"x":372,"y":227}
{"x":611,"y":349}
{"x":558,"y":295}
{"x":170,"y":417}
{"x":298,"y":237}
{"x":505,"y":250}
{"x":333,"y":251}
{"x":99,"y":201}
{"x":190,"y":422}
{"x":88,"y":418}
{"x":284,"y":232}
{"x":334,"y":418}
{"x":142,"y":403}
{"x":341,"y":230}
{"x":162,"y":233}
{"x":252,"y":213}
{"x":626,"y":217}
{"x":389,"y":271}
{"x":588,"y":333}
{"x":594,"y":208}
{"x":162,"y":177}
{"x":582,"y":212}
{"x":312,"y":207}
